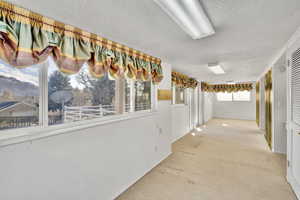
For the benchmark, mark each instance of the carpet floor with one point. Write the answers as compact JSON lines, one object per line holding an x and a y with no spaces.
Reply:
{"x":227,"y":160}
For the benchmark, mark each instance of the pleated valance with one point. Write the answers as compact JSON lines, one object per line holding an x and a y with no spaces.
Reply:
{"x":226,"y":87}
{"x":181,"y":80}
{"x":27,"y":38}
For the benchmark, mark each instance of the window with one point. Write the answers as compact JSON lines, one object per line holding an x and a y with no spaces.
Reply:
{"x":19,"y":97}
{"x":241,"y":96}
{"x":142,"y":95}
{"x":234,"y":96}
{"x":64,"y":98}
{"x":137,"y":95}
{"x":179,"y":95}
{"x":224,"y":96}
{"x":78,"y":97}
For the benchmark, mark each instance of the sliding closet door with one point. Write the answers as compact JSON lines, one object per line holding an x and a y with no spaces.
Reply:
{"x":294,"y":117}
{"x":268,"y":103}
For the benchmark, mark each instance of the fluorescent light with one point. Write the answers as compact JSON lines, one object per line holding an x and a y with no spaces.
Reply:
{"x":189,"y":15}
{"x":216,"y":69}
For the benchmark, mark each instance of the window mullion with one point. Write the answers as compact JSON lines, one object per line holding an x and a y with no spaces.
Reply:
{"x":43,"y":88}
{"x":153,"y":97}
{"x":132,"y":96}
{"x":120,"y":96}
{"x":173,"y":94}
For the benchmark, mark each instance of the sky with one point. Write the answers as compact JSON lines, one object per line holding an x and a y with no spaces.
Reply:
{"x":28,"y":74}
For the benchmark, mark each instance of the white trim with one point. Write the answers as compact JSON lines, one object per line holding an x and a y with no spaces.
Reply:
{"x":21,"y":135}
{"x":179,"y":105}
{"x":154,"y":97}
{"x":43,"y":98}
{"x":290,"y":124}
{"x":293,"y":182}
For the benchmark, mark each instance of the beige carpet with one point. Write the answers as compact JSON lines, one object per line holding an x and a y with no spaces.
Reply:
{"x":228,"y":160}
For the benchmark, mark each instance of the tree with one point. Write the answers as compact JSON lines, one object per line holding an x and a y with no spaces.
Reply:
{"x":57,"y":82}
{"x":102,"y":90}
{"x":142,"y":94}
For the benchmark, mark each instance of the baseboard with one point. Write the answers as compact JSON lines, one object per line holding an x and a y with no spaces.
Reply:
{"x":294,"y":184}
{"x":137,"y":179}
{"x":178,"y":138}
{"x":279,"y":152}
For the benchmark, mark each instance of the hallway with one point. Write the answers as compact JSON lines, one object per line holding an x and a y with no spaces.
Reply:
{"x":228,"y":160}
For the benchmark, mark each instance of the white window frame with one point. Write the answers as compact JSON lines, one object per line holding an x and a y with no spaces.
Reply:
{"x":13,"y":136}
{"x":185,"y":96}
{"x":232,"y":98}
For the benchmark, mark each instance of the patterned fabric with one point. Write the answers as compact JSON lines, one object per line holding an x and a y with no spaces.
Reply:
{"x":226,"y":87}
{"x":183,"y":81}
{"x":27,"y":38}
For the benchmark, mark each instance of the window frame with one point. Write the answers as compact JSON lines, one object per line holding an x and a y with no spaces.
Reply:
{"x":174,"y":96}
{"x":12,"y":136}
{"x":233,"y":99}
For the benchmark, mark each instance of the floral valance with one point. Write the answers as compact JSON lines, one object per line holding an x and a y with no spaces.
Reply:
{"x":27,"y":38}
{"x":226,"y":87}
{"x":181,"y":80}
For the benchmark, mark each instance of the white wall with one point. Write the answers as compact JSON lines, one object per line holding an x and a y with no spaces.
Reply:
{"x":183,"y":121}
{"x":94,"y":163}
{"x":236,"y":109}
{"x":180,"y":121}
{"x":208,"y":107}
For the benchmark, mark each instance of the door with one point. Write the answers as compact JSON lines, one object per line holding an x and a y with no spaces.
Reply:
{"x":192,"y":108}
{"x":257,"y":102}
{"x":268,"y":103}
{"x":293,"y":151}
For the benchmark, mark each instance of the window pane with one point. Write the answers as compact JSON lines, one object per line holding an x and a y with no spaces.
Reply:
{"x":224,"y":96}
{"x":179,"y":95}
{"x":78,"y":97}
{"x":142,"y":95}
{"x":241,"y":96}
{"x":19,"y":96}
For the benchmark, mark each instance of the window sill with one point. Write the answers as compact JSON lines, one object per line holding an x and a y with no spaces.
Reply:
{"x":179,"y":105}
{"x":15,"y":136}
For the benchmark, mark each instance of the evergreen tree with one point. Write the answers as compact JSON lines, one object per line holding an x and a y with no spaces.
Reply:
{"x":57,"y":82}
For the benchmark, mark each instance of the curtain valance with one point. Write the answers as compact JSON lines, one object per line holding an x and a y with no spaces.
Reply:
{"x":181,"y":80}
{"x":226,"y":87}
{"x":27,"y":38}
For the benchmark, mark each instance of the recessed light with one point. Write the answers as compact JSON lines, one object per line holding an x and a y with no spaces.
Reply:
{"x":216,"y":68}
{"x":189,"y":15}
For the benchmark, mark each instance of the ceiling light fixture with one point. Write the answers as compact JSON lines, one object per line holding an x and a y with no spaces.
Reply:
{"x":216,"y":68}
{"x":189,"y":15}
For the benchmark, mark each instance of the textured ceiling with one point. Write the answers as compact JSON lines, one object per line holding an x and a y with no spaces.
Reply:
{"x":248,"y":32}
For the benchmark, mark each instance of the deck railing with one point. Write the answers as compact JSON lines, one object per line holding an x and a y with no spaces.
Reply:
{"x":70,"y":114}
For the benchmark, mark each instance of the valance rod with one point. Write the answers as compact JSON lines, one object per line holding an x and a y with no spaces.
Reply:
{"x":28,"y":38}
{"x":183,"y":81}
{"x":226,"y":87}
{"x":32,"y":16}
